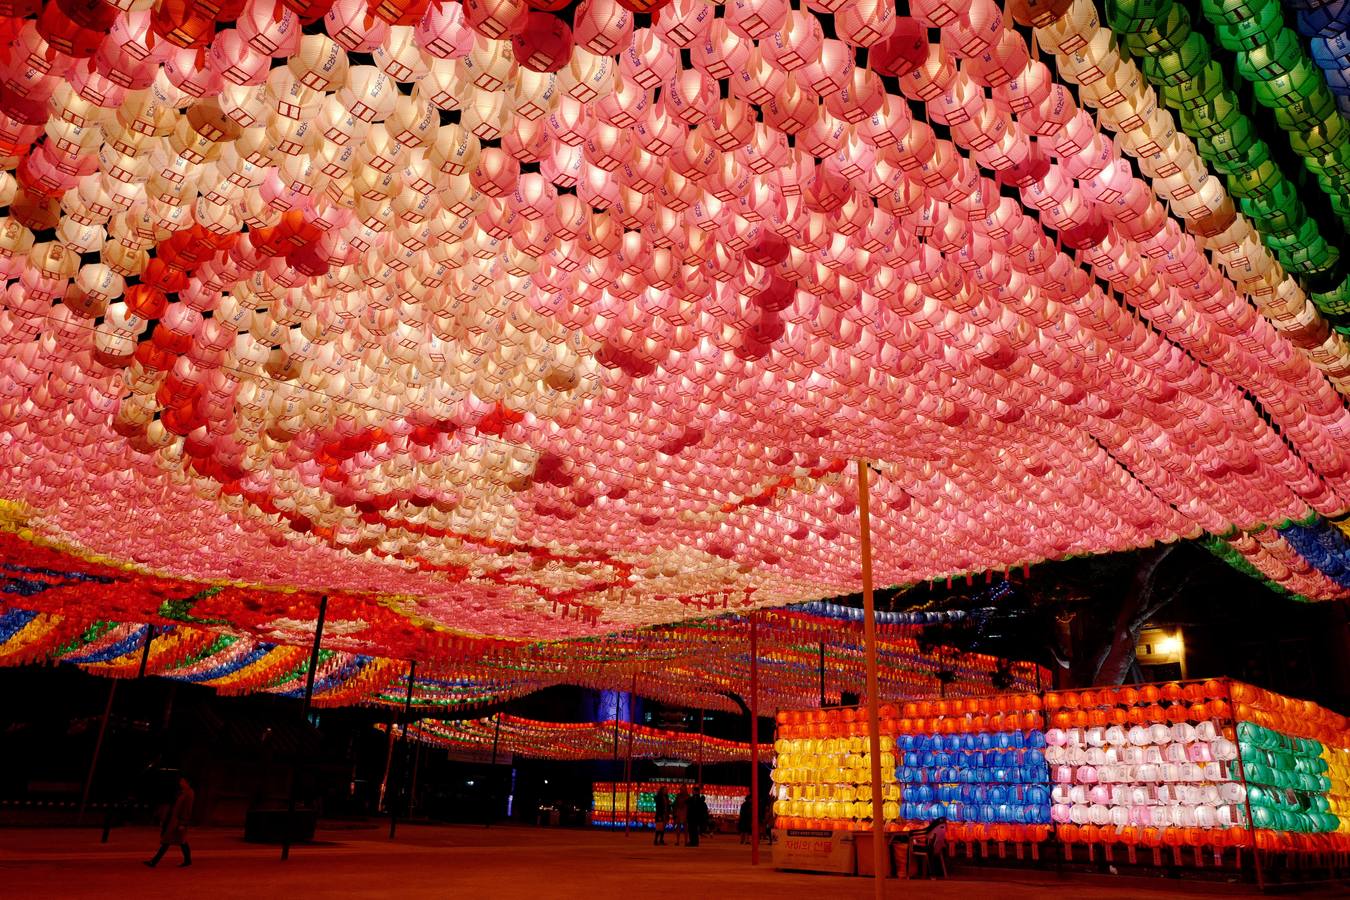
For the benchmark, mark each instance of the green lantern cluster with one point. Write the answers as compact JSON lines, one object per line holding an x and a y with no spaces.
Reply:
{"x":1287,"y":81}
{"x":1220,"y":547}
{"x":1286,"y":780}
{"x":1177,"y":61}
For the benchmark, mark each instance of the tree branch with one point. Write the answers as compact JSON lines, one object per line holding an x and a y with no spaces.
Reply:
{"x":1112,"y":664}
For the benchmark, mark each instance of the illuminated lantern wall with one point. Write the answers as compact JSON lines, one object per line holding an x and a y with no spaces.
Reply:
{"x":610,"y":801}
{"x":1155,"y":766}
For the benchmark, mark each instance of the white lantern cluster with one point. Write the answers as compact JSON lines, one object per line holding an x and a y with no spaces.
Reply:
{"x":1182,"y":775}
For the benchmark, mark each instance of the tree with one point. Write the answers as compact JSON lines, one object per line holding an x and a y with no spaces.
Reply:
{"x":1145,"y":598}
{"x":1080,"y":617}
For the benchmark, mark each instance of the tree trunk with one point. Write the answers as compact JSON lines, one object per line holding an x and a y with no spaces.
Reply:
{"x":1115,"y":660}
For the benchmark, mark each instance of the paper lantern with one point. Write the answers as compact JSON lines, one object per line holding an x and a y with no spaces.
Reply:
{"x":544,"y":44}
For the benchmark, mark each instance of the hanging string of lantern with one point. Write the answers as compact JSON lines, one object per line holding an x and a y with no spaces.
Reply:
{"x":571,"y":741}
{"x":805,"y":658}
{"x":1308,"y":558}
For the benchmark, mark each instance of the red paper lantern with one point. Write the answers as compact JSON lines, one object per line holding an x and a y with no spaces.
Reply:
{"x":544,"y":44}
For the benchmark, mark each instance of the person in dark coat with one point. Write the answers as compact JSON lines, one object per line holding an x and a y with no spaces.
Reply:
{"x":661,"y":816}
{"x":173,"y":830}
{"x":698,"y":816}
{"x":743,"y":820}
{"x":681,"y":809}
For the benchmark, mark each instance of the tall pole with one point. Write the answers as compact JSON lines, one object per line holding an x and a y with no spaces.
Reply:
{"x":388,"y":762}
{"x":145,"y":650}
{"x":496,"y":739}
{"x":403,"y":742}
{"x":304,"y":717}
{"x":614,"y":769}
{"x":873,"y":725}
{"x":98,"y":748}
{"x":754,"y":740}
{"x":628,"y":766}
{"x":700,"y":745}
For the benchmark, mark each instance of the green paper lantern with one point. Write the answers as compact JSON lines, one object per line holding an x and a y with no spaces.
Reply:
{"x":1282,"y":198}
{"x":1271,"y":60}
{"x":1301,"y":81}
{"x":1180,"y":65}
{"x":1220,"y":114}
{"x":1255,"y":181}
{"x":1234,"y":11}
{"x":1163,"y":34}
{"x":1253,"y":33}
{"x":1316,"y":256}
{"x":1307,"y":113}
{"x":1205,"y":86}
{"x":1325,"y":137}
{"x":1264,"y":817}
{"x":1305,"y":233}
{"x":1233,"y":145}
{"x":1121,"y":12}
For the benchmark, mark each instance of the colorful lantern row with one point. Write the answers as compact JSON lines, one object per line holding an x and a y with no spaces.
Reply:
{"x":1308,"y":559}
{"x":1177,"y":62}
{"x":265,"y":645}
{"x":573,"y":741}
{"x":1138,"y":768}
{"x":633,"y":804}
{"x":1324,"y":25}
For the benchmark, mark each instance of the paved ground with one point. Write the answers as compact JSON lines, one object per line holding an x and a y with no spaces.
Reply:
{"x":446,"y":861}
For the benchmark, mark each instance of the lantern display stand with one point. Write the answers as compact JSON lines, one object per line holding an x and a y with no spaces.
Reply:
{"x":630,"y":804}
{"x":1181,"y":775}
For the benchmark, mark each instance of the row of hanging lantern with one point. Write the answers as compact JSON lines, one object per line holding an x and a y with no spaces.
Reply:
{"x":370,"y":290}
{"x":1177,"y":61}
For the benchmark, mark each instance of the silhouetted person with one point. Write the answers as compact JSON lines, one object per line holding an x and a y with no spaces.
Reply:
{"x":743,"y":820}
{"x":698,"y":816}
{"x":661,"y":816}
{"x":173,"y":830}
{"x":681,"y":815}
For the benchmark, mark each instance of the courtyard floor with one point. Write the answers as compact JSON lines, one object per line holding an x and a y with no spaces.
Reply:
{"x":466,"y":861}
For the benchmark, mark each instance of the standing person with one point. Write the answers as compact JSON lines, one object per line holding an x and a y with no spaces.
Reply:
{"x":661,"y":816}
{"x":682,"y":815}
{"x":698,"y":816}
{"x":743,"y":820}
{"x":173,"y":830}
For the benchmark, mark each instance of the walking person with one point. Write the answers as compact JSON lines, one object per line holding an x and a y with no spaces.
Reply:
{"x":743,"y":820}
{"x":698,"y":816}
{"x":682,"y":815}
{"x":661,"y":816}
{"x":173,"y":830}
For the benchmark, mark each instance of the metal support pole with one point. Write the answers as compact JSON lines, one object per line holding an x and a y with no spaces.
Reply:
{"x":700,"y":745}
{"x":304,"y":717}
{"x":388,"y":763}
{"x":145,"y":650}
{"x":873,"y":688}
{"x":754,"y":740}
{"x":614,"y":770}
{"x":496,"y":739}
{"x":98,"y":748}
{"x":628,"y":765}
{"x":403,"y":742}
